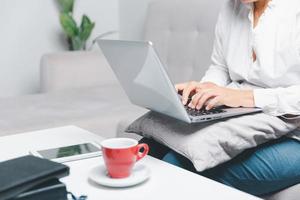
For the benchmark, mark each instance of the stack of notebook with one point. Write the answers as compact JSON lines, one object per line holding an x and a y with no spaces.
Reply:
{"x":32,"y":178}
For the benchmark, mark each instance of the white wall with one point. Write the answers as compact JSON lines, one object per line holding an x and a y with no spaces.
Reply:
{"x":27,"y":30}
{"x":104,"y":12}
{"x":30,"y":28}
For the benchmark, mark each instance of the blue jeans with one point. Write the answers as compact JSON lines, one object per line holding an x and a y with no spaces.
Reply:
{"x":259,"y":171}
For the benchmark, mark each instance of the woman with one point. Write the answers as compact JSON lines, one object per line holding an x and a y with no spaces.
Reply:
{"x":255,"y":63}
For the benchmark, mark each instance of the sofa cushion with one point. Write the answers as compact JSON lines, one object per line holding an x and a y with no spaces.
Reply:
{"x":211,"y":143}
{"x":183,"y":32}
{"x":71,"y":70}
{"x":97,"y":109}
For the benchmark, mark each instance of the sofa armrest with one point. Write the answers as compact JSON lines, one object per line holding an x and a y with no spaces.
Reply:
{"x":69,"y":70}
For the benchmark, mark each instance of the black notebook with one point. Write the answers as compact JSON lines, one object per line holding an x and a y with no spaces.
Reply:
{"x":50,"y":190}
{"x":21,"y":174}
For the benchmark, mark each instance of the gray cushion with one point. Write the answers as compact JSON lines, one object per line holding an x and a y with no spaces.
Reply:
{"x":209,"y":144}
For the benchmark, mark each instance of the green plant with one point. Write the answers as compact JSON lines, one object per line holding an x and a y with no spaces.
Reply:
{"x":76,"y":35}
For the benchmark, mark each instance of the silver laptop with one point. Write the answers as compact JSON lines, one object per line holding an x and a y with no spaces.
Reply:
{"x":147,"y":84}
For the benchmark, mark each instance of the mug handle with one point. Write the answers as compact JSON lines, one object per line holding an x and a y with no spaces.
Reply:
{"x":139,"y":154}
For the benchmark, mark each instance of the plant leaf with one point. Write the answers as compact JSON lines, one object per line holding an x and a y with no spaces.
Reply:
{"x":86,"y":28}
{"x":77,"y":43}
{"x":69,"y":25}
{"x":66,"y":5}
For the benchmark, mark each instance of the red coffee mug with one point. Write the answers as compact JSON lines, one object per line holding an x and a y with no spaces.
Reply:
{"x":120,"y":155}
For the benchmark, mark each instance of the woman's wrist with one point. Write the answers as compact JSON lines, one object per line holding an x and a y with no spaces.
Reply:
{"x":247,"y":98}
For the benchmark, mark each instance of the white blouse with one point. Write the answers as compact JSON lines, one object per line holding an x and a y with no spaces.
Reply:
{"x":275,"y":75}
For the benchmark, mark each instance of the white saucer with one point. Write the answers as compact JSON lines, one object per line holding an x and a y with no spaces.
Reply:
{"x":140,"y":173}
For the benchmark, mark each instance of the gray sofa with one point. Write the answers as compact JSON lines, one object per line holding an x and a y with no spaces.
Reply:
{"x":79,"y":88}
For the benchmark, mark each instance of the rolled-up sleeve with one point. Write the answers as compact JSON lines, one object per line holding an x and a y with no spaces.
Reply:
{"x":279,"y":101}
{"x":218,"y":70}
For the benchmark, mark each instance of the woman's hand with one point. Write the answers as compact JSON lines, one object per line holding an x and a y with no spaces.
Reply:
{"x":190,"y":88}
{"x":216,"y":96}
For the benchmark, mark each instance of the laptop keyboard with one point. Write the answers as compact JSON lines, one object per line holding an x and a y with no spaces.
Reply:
{"x":203,"y":111}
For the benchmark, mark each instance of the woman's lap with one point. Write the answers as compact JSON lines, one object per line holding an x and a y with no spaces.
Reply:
{"x":259,"y":171}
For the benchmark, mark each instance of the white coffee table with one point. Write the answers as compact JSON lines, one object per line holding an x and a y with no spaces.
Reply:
{"x":166,"y":182}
